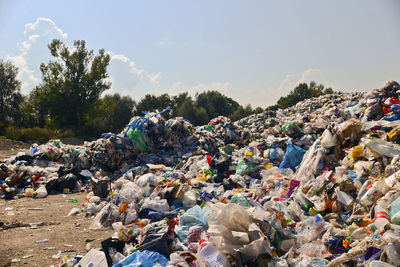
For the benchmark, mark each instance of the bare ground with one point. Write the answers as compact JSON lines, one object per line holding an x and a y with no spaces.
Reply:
{"x":68,"y":234}
{"x":9,"y":148}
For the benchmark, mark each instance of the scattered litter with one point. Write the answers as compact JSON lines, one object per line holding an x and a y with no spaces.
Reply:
{"x":316,"y":184}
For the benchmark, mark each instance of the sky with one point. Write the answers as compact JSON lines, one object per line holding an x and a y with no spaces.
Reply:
{"x":252,"y":51}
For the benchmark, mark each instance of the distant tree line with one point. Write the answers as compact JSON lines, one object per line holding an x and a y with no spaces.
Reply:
{"x":69,"y":100}
{"x":301,"y":92}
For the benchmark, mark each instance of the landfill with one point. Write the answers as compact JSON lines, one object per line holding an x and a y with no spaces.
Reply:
{"x":316,"y":184}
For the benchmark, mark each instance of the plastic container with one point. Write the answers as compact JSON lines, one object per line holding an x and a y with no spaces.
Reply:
{"x":381,"y":217}
{"x":378,"y":189}
{"x":210,"y":256}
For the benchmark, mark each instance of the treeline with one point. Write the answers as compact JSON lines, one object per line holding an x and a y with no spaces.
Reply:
{"x":301,"y":92}
{"x":69,"y":100}
{"x":200,"y":110}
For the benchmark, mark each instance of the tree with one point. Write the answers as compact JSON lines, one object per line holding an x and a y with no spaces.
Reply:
{"x":216,"y":104}
{"x":109,"y":114}
{"x":189,"y":110}
{"x":301,"y":92}
{"x":177,"y":101}
{"x":10,"y":96}
{"x":120,"y":111}
{"x":151,"y":103}
{"x":71,"y":83}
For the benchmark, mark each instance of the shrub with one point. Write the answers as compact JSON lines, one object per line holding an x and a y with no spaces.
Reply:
{"x":28,"y":135}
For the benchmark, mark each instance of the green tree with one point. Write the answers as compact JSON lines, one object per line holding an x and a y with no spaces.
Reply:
{"x":109,"y":114}
{"x":177,"y":101}
{"x":151,"y":103}
{"x":189,"y":110}
{"x":10,"y":96}
{"x":71,"y":83}
{"x":120,"y":111}
{"x":301,"y":92}
{"x":216,"y":104}
{"x":27,"y":117}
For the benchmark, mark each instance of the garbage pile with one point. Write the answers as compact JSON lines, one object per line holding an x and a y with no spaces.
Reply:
{"x":316,"y":184}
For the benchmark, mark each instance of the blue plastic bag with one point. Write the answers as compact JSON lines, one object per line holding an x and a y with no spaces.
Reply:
{"x":392,"y":117}
{"x":143,"y":259}
{"x":293,"y":157}
{"x":193,"y":216}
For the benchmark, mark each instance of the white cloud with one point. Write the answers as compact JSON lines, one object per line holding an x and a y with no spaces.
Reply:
{"x":309,"y":75}
{"x":32,"y":27}
{"x":33,"y":50}
{"x":127,"y":78}
{"x":176,"y":87}
{"x":287,"y":84}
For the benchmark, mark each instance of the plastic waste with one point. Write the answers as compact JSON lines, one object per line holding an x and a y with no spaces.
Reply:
{"x":41,"y":192}
{"x":293,"y":157}
{"x":210,"y":256}
{"x":143,"y":259}
{"x":394,"y":211}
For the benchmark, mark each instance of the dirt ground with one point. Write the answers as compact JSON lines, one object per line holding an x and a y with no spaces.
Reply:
{"x":66,"y":234}
{"x":41,"y":219}
{"x":9,"y":148}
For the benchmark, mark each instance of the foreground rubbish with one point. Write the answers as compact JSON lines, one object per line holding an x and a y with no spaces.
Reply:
{"x":316,"y":184}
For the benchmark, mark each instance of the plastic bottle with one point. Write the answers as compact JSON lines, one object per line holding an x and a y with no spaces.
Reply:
{"x":393,"y":255}
{"x":378,"y":189}
{"x":381,"y":218}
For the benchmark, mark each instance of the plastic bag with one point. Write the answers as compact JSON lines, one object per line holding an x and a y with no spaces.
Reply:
{"x":395,"y":211}
{"x":160,"y":205}
{"x":137,"y":136}
{"x":232,"y":216}
{"x":105,"y":218}
{"x":293,"y":157}
{"x":241,"y":200}
{"x":344,"y":198}
{"x":291,"y":128}
{"x":328,"y":139}
{"x":383,"y":147}
{"x":244,"y":167}
{"x":130,"y":192}
{"x":311,"y":159}
{"x":189,"y":199}
{"x":156,"y":238}
{"x":192,"y":217}
{"x":41,"y":192}
{"x":143,"y":259}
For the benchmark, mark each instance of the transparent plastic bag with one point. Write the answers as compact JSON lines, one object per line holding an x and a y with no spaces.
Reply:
{"x":105,"y":218}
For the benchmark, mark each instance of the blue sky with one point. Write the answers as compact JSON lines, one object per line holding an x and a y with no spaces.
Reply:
{"x":252,"y":51}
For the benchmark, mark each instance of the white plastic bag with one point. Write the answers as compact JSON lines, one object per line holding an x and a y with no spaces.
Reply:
{"x":41,"y":192}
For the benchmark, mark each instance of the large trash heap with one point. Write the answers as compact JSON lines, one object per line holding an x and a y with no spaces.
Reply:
{"x":316,"y":184}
